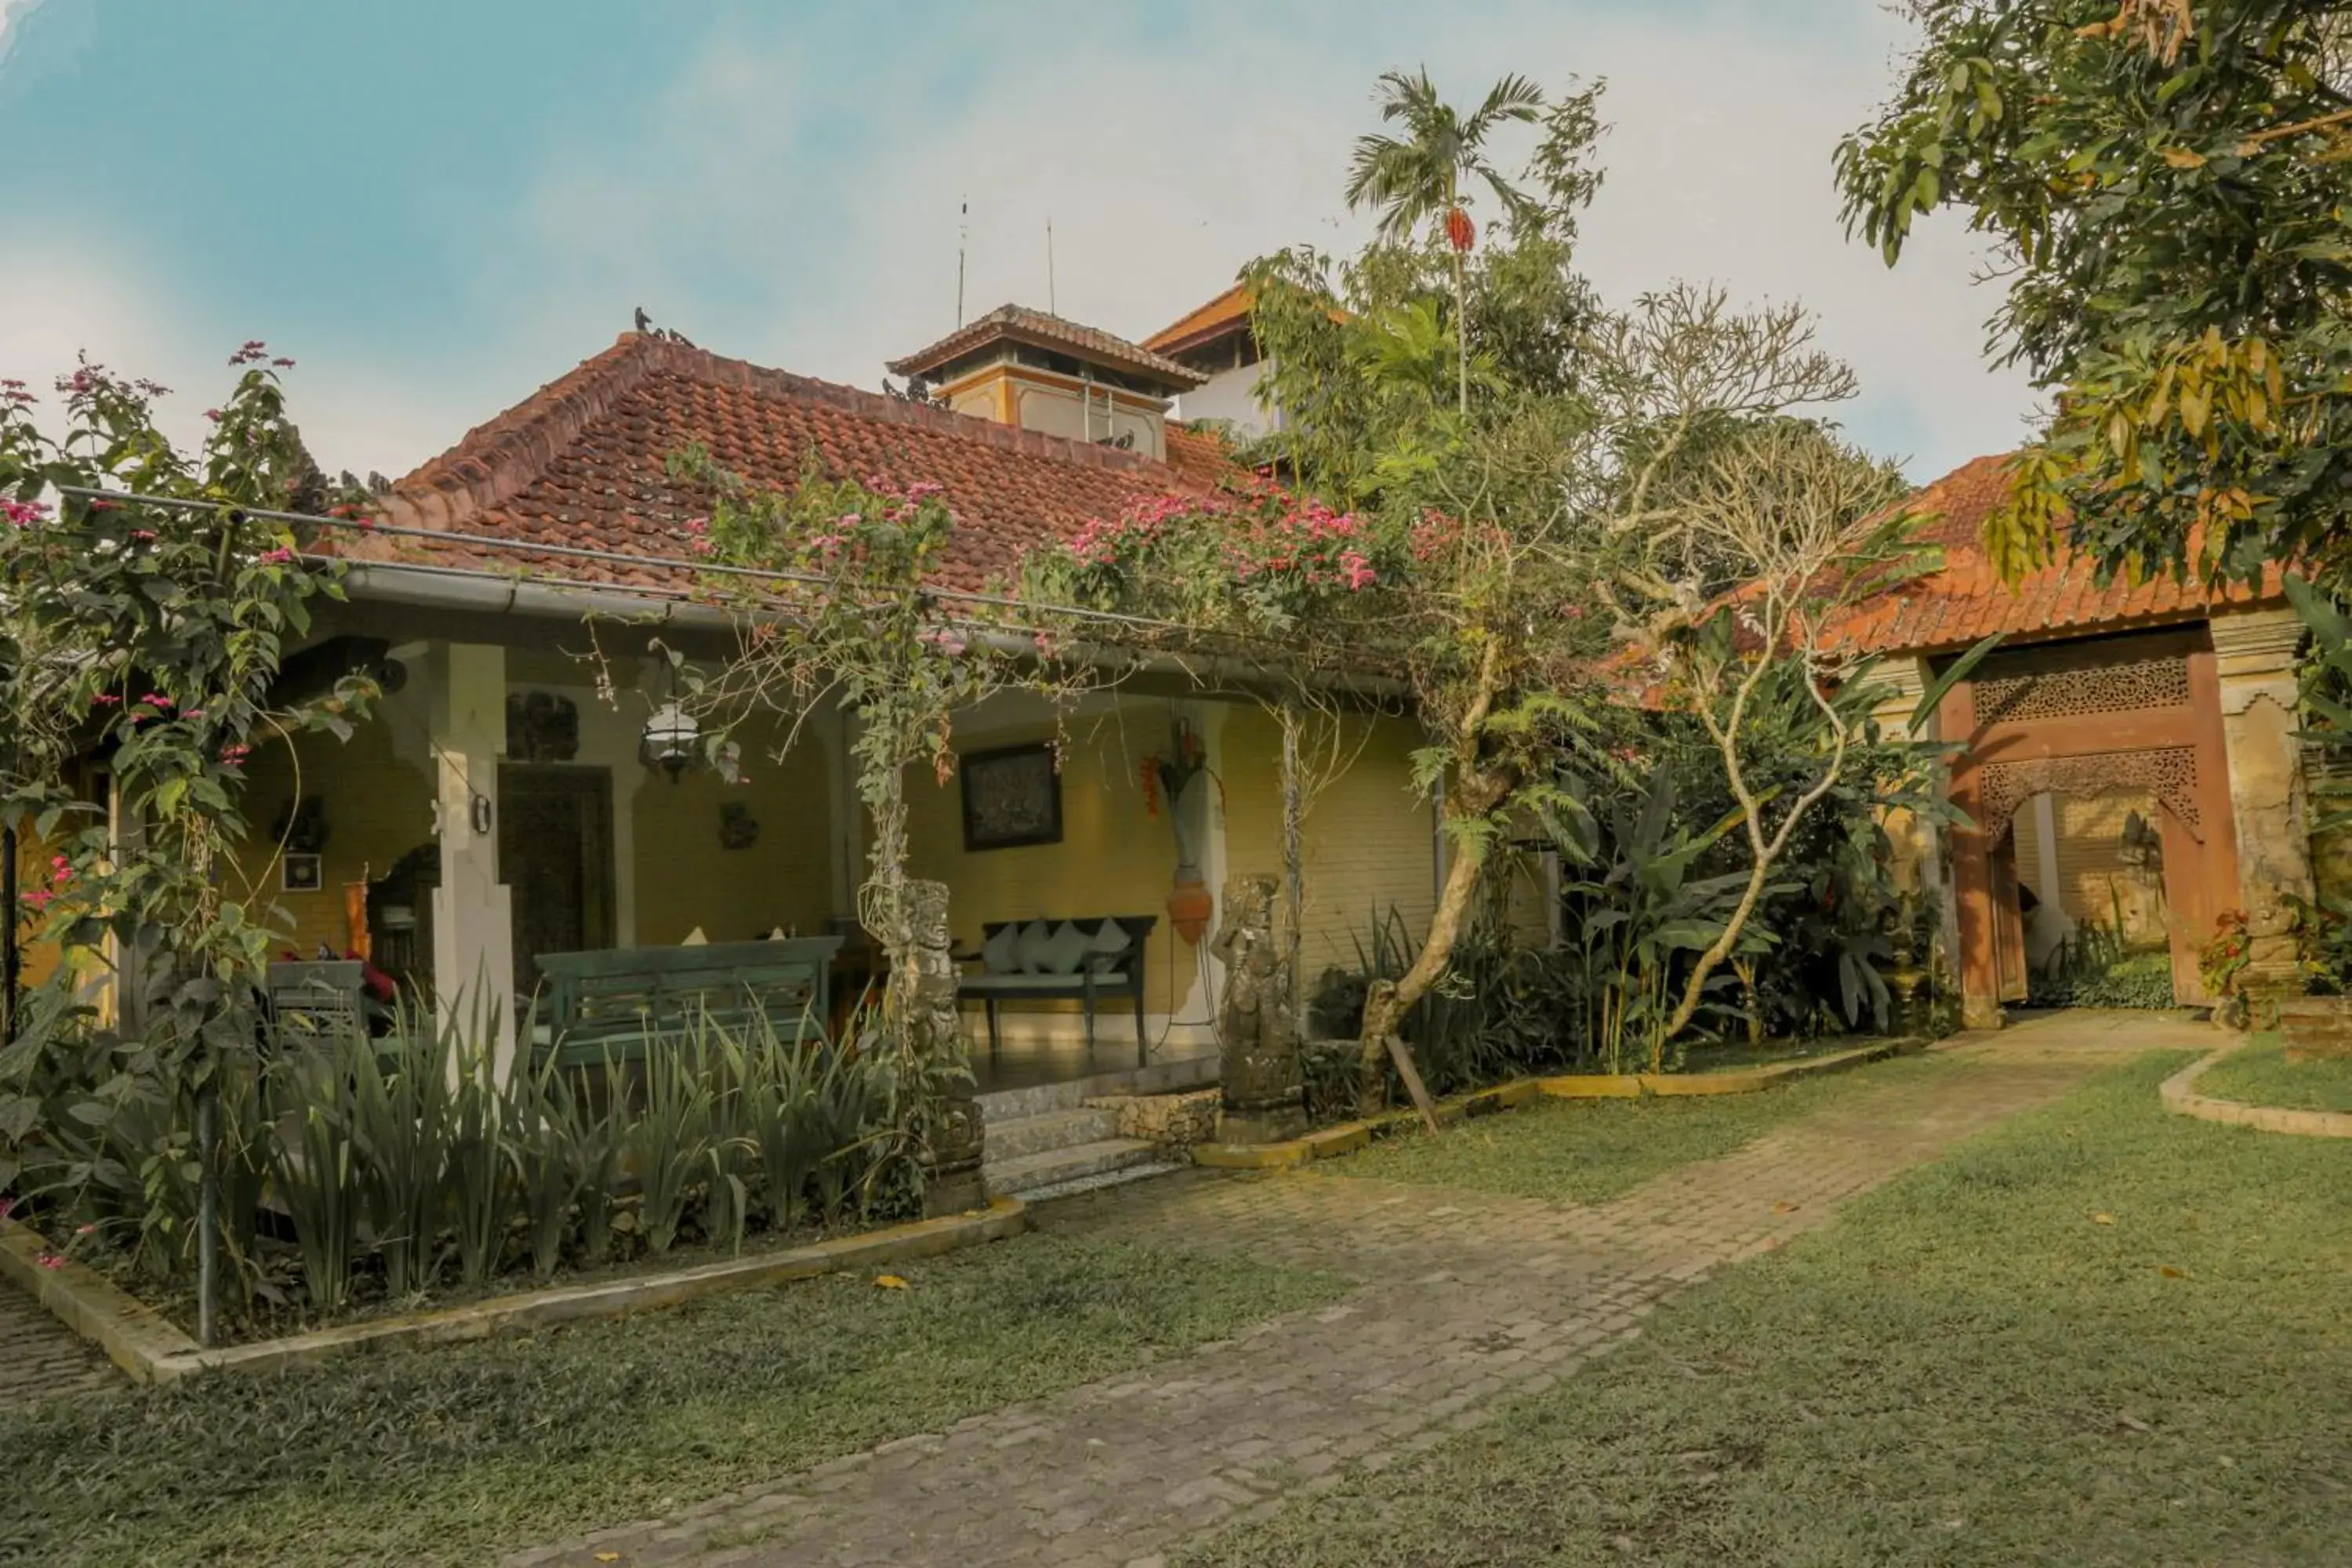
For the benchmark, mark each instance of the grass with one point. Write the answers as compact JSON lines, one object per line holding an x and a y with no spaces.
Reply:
{"x":1589,"y":1151}
{"x":455,"y":1454}
{"x":2099,"y":1335}
{"x":2260,"y":1074}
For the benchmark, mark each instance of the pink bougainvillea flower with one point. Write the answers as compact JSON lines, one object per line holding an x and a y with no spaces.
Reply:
{"x":49,"y":1259}
{"x":40,"y":898}
{"x":7,"y":1208}
{"x":144,"y":535}
{"x":214,"y":415}
{"x":84,"y":1229}
{"x":155,"y":700}
{"x":105,"y":700}
{"x":277,"y":557}
{"x":235,"y":754}
{"x":282,"y":362}
{"x":23,"y":514}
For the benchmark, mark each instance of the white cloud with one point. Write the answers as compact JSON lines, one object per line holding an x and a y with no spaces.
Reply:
{"x":12,"y":14}
{"x":66,"y":298}
{"x":1161,"y":174}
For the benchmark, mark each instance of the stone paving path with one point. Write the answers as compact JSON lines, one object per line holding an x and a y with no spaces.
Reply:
{"x":1465,"y":1298}
{"x":40,"y":1357}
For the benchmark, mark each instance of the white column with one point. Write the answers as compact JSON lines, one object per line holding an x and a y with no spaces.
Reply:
{"x":473,"y":919}
{"x":1195,"y":997}
{"x":2253,"y":656}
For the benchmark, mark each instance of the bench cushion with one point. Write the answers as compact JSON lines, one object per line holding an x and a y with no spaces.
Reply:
{"x":1029,"y":948}
{"x":1065,"y":950}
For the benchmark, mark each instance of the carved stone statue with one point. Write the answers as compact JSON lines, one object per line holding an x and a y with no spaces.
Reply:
{"x":953,"y":1132}
{"x":1263,"y":1100}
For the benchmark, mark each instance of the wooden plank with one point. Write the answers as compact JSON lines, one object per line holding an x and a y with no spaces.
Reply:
{"x":1412,"y":1084}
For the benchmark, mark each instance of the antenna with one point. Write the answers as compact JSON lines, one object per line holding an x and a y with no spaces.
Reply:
{"x":1051,"y":309}
{"x":963,"y":239}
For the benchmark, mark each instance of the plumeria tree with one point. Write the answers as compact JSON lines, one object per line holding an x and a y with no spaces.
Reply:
{"x":138,"y":675}
{"x":2165,"y":181}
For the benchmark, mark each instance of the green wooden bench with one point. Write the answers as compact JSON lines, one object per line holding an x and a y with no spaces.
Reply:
{"x":1111,"y":965}
{"x":609,"y":1005}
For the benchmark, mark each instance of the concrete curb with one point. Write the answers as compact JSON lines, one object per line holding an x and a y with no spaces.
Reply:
{"x":2180,"y":1097}
{"x":143,"y":1343}
{"x":1349,"y":1136}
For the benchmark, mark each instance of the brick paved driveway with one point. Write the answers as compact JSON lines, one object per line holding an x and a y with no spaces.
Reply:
{"x":1463,"y":1298}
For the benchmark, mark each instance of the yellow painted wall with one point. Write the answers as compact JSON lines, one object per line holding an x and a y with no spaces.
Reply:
{"x":1114,"y":857}
{"x":1367,"y":835}
{"x":2094,"y":878}
{"x":378,"y":807}
{"x":685,"y":877}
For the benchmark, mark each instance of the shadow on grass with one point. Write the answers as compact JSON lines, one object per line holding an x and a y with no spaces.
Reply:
{"x":451,"y":1455}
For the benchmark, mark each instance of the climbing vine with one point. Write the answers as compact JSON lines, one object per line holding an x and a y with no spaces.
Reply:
{"x":139,"y":667}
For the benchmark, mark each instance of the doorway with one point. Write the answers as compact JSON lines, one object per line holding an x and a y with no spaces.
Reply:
{"x":2090,"y":916}
{"x":555,"y":856}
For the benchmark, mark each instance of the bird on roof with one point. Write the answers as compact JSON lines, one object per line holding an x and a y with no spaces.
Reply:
{"x":644,"y":322}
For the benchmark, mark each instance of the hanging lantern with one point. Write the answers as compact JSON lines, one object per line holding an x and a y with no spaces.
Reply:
{"x":669,"y":740}
{"x":1460,"y":232}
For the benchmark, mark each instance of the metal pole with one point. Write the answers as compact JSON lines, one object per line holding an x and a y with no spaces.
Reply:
{"x":208,"y":1216}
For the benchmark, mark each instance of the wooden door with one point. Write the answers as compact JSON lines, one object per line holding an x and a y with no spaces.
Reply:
{"x":555,"y":856}
{"x":2188,"y":905}
{"x":2008,"y":921}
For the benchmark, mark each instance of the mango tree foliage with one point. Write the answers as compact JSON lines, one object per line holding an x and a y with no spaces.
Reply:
{"x":2167,"y":181}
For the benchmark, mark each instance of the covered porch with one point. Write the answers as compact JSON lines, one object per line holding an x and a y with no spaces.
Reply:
{"x":501,"y":806}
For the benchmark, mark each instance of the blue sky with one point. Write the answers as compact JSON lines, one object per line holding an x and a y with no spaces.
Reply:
{"x":436,"y":206}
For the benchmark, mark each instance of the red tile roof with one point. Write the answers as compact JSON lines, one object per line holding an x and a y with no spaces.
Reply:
{"x":1229,"y":311}
{"x":580,"y":463}
{"x":1024,"y":325}
{"x":1966,"y":600}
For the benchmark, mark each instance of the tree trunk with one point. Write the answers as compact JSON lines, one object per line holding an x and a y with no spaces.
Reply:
{"x":1388,"y":1001}
{"x":1461,"y":329}
{"x":1293,"y":856}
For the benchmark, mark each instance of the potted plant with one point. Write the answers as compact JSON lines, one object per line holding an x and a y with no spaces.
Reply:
{"x":1169,"y":777}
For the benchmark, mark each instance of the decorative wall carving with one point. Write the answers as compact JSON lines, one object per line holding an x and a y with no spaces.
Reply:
{"x":2120,"y":687}
{"x":2168,"y":773}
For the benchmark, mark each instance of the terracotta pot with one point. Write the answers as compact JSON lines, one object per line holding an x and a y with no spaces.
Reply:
{"x":1189,"y":905}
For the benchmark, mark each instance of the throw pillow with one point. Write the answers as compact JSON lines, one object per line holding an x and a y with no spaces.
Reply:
{"x":998,"y":954}
{"x":1108,"y":949}
{"x":1065,"y":950}
{"x":1031,"y":948}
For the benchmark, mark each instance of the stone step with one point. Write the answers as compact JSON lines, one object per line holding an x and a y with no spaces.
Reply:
{"x":1120,"y":1177}
{"x":1052,"y":1130}
{"x":1160,"y":1077}
{"x":1026,"y":1173}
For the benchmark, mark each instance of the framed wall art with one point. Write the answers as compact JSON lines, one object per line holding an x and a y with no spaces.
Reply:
{"x":1011,"y":796}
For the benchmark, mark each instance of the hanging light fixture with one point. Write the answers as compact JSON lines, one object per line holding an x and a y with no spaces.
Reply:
{"x":670,"y":735}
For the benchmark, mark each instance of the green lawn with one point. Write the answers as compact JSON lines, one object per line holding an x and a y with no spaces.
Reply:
{"x":2260,"y":1074}
{"x":448,"y":1456}
{"x":2100,"y":1335}
{"x":1588,"y":1151}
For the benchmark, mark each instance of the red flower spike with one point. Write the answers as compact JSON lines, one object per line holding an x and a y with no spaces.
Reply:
{"x":1460,"y":232}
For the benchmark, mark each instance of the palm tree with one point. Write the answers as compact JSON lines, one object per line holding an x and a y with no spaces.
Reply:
{"x":1419,"y":179}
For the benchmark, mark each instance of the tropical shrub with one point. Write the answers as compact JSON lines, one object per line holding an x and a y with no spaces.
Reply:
{"x":367,"y":1171}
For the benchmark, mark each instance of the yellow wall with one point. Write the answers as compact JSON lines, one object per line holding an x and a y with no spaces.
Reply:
{"x":1367,"y":836}
{"x":1114,"y":859}
{"x":685,"y":877}
{"x":377,"y":806}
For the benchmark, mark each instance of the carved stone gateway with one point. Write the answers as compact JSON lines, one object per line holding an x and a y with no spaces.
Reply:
{"x":1264,"y":1102}
{"x":953,"y":1134}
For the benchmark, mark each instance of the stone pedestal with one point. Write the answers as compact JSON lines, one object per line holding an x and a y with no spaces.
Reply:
{"x":1264,"y":1099}
{"x":2253,"y":660}
{"x":2315,"y":1028}
{"x":954,"y":1136}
